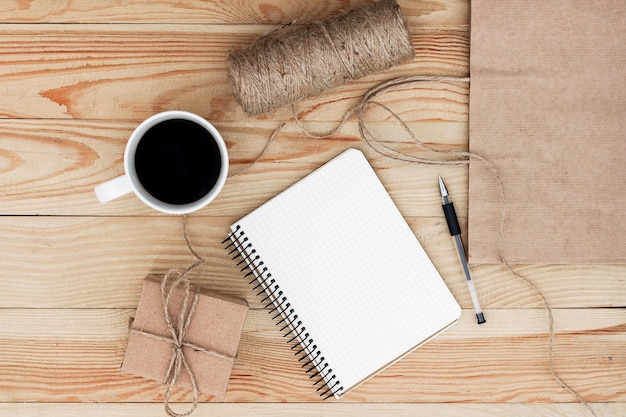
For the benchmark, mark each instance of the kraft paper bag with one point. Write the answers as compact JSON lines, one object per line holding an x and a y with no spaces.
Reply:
{"x":548,"y":110}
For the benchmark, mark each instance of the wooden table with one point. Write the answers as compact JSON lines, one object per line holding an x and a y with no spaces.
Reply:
{"x":76,"y":77}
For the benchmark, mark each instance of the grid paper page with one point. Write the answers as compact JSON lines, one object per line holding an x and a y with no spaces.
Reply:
{"x":351,"y":268}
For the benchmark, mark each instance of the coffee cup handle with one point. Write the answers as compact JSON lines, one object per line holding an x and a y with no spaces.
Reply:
{"x":113,"y":189}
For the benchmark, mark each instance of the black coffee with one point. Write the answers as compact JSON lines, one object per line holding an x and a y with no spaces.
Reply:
{"x":177,"y":161}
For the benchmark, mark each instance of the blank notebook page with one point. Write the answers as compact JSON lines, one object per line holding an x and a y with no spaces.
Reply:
{"x":351,"y":268}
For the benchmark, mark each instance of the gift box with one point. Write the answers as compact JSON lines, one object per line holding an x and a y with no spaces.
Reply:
{"x":208,"y":334}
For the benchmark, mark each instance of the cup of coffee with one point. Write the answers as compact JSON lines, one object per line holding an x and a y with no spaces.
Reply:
{"x":175,"y":162}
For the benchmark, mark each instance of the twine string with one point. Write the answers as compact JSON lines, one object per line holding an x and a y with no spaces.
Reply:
{"x":178,"y":328}
{"x":348,"y":68}
{"x":298,"y":61}
{"x":178,"y":359}
{"x":453,"y":158}
{"x":248,"y":167}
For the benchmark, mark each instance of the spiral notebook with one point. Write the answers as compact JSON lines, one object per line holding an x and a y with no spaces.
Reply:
{"x":345,"y":273}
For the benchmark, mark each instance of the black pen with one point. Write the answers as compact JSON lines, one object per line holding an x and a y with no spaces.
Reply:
{"x":455,"y":231}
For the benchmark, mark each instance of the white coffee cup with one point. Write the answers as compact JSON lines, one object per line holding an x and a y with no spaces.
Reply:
{"x":186,"y":155}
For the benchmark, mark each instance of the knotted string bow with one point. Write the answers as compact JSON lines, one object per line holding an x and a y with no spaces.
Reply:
{"x":178,"y":329}
{"x":178,"y":360}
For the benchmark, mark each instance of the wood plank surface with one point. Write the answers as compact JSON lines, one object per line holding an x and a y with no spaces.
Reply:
{"x":59,"y":263}
{"x":81,"y":350}
{"x":422,"y":12}
{"x":88,"y":153}
{"x":316,"y":409}
{"x":122,"y":71}
{"x":77,"y":76}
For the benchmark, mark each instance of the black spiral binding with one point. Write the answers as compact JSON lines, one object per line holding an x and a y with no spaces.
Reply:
{"x":277,"y":302}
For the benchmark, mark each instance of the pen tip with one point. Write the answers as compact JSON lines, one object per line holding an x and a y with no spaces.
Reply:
{"x":442,"y":188}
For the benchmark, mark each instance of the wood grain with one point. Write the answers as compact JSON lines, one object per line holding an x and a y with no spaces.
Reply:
{"x":122,"y":71}
{"x":316,"y":409}
{"x":87,"y":153}
{"x":78,"y":350}
{"x":65,"y":261}
{"x":422,"y":12}
{"x":77,"y":76}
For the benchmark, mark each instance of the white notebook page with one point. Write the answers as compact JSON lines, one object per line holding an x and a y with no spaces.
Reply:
{"x":351,"y":268}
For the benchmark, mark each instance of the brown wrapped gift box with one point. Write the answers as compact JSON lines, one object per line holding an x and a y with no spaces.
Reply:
{"x":216,"y":325}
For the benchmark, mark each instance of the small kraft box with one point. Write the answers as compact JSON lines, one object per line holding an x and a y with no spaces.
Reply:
{"x":205,"y":337}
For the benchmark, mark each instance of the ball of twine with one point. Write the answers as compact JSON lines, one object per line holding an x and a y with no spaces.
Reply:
{"x":298,"y":61}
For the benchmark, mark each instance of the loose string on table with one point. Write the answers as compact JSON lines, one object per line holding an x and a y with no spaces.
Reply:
{"x":458,"y":158}
{"x":171,"y":280}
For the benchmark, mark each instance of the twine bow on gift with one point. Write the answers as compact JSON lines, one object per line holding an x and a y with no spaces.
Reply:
{"x":173,"y":279}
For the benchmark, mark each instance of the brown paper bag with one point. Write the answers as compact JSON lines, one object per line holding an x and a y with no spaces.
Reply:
{"x":548,"y":109}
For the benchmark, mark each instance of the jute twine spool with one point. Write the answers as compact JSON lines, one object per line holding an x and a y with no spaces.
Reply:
{"x":302,"y":60}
